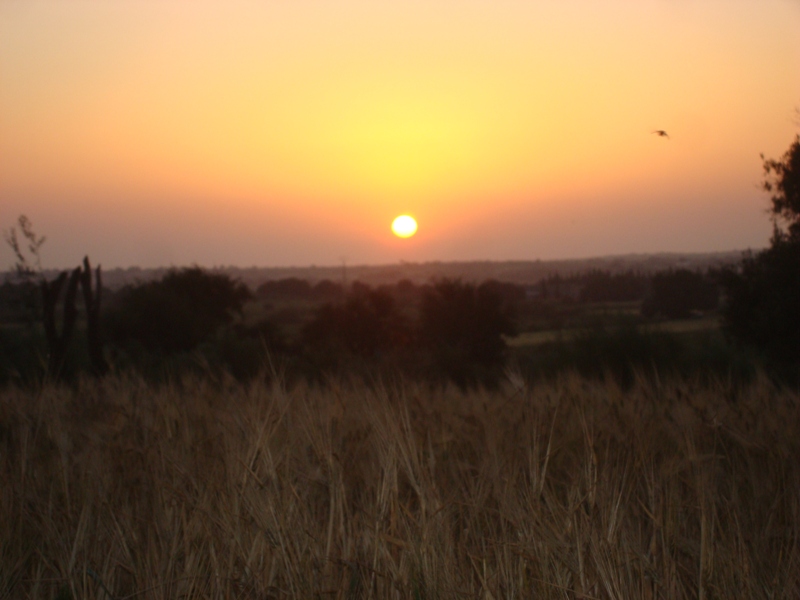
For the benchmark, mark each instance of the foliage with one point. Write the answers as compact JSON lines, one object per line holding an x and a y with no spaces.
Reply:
{"x":20,"y":302}
{"x":366,"y":324}
{"x":447,"y":330}
{"x":594,"y":285}
{"x":602,"y":286}
{"x":763,"y":294}
{"x":622,"y":353}
{"x":782,"y":180}
{"x":462,"y":325}
{"x":510,"y":294}
{"x":21,"y":354}
{"x":176,"y":313}
{"x":677,"y":294}
{"x":762,"y":300}
{"x":291,"y":287}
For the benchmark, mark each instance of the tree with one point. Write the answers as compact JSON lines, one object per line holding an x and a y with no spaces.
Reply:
{"x":762,"y":305}
{"x":367,"y":324}
{"x":176,"y":313}
{"x":463,"y":326}
{"x":782,"y":180}
{"x":602,"y":286}
{"x":678,"y":294}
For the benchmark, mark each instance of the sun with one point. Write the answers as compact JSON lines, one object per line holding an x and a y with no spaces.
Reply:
{"x":404,"y":226}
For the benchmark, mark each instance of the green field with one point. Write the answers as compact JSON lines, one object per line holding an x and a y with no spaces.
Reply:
{"x":535,"y":338}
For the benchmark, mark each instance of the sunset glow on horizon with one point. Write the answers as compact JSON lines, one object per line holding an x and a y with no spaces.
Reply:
{"x":260,"y":133}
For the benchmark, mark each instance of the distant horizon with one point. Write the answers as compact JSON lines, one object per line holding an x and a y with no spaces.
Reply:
{"x":338,"y":265}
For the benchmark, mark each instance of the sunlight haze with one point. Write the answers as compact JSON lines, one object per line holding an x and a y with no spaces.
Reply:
{"x":292,"y":133}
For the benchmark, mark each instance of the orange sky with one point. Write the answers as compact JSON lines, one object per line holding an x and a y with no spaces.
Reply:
{"x":292,"y":133}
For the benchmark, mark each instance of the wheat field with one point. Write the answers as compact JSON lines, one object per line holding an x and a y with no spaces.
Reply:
{"x":574,"y":489}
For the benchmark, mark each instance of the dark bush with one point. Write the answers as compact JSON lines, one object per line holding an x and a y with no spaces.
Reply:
{"x":291,"y":287}
{"x":328,"y":290}
{"x":602,"y":286}
{"x":23,"y":354}
{"x":678,"y":294}
{"x":20,"y":302}
{"x":462,"y":326}
{"x":246,"y":351}
{"x":510,"y":294}
{"x":367,"y":324}
{"x":762,"y":304}
{"x":174,"y":314}
{"x":622,"y":352}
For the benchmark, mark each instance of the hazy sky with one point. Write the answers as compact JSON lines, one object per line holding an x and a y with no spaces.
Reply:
{"x":292,"y":133}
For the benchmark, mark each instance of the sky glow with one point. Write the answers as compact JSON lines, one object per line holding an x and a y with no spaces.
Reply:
{"x":291,"y":133}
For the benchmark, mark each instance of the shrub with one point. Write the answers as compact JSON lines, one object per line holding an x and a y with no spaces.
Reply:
{"x":462,"y":326}
{"x":176,"y":313}
{"x":763,"y":294}
{"x":677,"y":294}
{"x":367,"y":324}
{"x":761,"y":305}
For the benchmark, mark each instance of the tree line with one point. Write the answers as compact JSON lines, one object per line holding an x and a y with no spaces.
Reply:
{"x":447,"y":329}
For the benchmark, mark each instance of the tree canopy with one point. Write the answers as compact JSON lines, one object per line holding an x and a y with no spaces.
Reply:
{"x":177,"y":312}
{"x":680,"y":293}
{"x":463,"y":326}
{"x":782,"y":180}
{"x":762,"y":307}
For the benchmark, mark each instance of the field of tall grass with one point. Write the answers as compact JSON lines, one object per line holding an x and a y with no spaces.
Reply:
{"x":574,"y":488}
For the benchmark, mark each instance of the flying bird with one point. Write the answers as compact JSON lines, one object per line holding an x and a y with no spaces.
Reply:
{"x":661,"y":133}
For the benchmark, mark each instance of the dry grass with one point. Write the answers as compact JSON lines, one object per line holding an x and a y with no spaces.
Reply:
{"x":572,"y":490}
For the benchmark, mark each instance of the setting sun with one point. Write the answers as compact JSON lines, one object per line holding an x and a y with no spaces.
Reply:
{"x":404,"y":226}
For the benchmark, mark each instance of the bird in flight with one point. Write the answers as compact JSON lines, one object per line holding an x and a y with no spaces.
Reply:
{"x":661,"y":133}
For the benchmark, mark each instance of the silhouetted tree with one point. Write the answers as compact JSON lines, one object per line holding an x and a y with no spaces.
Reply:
{"x":762,"y":305}
{"x":463,"y":326}
{"x":510,"y":294}
{"x":602,"y":286}
{"x":291,"y":287}
{"x":176,"y":313}
{"x":366,"y":324}
{"x":782,"y":180}
{"x":677,"y":294}
{"x":328,"y":290}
